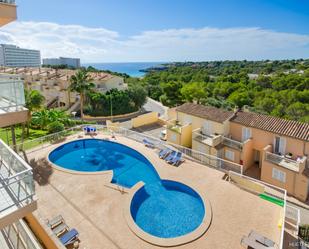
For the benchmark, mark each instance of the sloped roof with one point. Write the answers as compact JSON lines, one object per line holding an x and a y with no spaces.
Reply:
{"x":207,"y":112}
{"x":280,"y":126}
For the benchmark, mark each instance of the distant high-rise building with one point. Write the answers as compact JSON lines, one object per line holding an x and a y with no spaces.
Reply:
{"x":70,"y":62}
{"x":13,"y":56}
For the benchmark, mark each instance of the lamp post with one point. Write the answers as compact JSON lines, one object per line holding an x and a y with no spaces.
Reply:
{"x":111,"y":98}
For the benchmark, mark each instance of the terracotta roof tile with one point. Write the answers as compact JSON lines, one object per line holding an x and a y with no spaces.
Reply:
{"x":207,"y":112}
{"x":280,"y":126}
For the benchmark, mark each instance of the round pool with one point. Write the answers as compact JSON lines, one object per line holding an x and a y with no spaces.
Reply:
{"x":167,"y":209}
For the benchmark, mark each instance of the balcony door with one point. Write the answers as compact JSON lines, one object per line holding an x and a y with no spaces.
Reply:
{"x":279,"y":145}
{"x":246,"y":134}
{"x":207,"y":128}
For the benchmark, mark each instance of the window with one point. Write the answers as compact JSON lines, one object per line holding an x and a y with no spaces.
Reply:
{"x":207,"y":128}
{"x":279,"y":145}
{"x":187,"y":120}
{"x":278,"y":175}
{"x":173,"y":137}
{"x":229,"y":155}
{"x":246,"y":133}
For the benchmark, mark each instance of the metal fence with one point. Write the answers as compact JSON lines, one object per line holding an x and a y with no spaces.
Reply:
{"x":254,"y":185}
{"x":16,"y":178}
{"x":20,"y":237}
{"x":292,"y":216}
{"x":200,"y":157}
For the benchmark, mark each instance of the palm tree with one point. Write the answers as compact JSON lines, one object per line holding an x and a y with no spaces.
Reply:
{"x":80,"y":83}
{"x":34,"y":101}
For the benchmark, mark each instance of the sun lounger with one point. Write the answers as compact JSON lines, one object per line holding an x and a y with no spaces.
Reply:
{"x":60,"y":229}
{"x":147,"y":143}
{"x":177,"y":159}
{"x":56,"y":221}
{"x":69,"y":237}
{"x":164,"y":153}
{"x":257,"y":241}
{"x":171,"y":156}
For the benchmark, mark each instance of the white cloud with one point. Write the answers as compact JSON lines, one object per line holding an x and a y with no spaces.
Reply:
{"x":102,"y":45}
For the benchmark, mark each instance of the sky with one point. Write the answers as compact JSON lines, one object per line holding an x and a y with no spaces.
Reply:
{"x":162,"y":30}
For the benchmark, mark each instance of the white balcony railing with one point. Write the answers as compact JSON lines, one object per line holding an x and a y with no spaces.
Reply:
{"x":232,"y":143}
{"x":283,"y":161}
{"x":211,"y":140}
{"x":8,"y":1}
{"x":12,"y":96}
{"x":215,"y":139}
{"x":16,"y":180}
{"x":174,"y":125}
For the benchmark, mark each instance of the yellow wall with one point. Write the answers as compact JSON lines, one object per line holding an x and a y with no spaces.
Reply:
{"x":145,"y":119}
{"x":197,"y":123}
{"x":49,"y":240}
{"x":248,"y":184}
{"x":172,"y":136}
{"x":186,"y":136}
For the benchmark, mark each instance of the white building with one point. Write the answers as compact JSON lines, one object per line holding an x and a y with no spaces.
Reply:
{"x":13,"y":56}
{"x":71,"y":62}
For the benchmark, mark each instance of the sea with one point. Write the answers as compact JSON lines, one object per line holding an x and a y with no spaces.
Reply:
{"x":130,"y":68}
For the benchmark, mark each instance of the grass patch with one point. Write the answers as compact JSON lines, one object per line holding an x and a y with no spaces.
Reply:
{"x":6,"y":136}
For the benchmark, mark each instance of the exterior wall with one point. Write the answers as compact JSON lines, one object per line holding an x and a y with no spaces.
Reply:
{"x":198,"y":123}
{"x":263,"y":138}
{"x":204,"y":148}
{"x":247,"y":155}
{"x":145,"y":119}
{"x":173,"y":136}
{"x":266,"y":175}
{"x":237,"y":154}
{"x":186,"y":136}
{"x":12,"y":118}
{"x":7,"y":13}
{"x":171,"y":113}
{"x":42,"y":232}
{"x":113,"y":83}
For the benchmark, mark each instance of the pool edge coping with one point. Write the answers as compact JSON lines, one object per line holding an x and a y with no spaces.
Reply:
{"x":167,"y":242}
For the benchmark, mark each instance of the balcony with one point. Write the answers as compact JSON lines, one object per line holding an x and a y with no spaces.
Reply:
{"x":174,"y":125}
{"x":7,"y":11}
{"x":12,"y":101}
{"x":17,"y":196}
{"x":295,"y":164}
{"x":178,"y":133}
{"x":210,"y":140}
{"x":229,"y":142}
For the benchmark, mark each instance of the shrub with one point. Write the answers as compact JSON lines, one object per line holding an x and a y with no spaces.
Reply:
{"x":55,"y":126}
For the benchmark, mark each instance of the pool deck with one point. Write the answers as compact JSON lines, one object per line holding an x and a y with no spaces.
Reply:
{"x":95,"y":207}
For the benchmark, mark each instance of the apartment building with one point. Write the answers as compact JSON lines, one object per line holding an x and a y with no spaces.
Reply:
{"x":13,"y":56}
{"x":271,"y":149}
{"x":70,"y":62}
{"x":54,"y":83}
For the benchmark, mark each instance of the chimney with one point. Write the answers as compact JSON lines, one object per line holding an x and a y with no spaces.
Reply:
{"x":246,"y":108}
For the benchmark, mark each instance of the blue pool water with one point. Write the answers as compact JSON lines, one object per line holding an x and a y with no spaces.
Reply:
{"x":175,"y":208}
{"x":163,"y":208}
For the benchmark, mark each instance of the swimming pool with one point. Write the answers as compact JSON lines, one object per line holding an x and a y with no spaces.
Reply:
{"x":93,"y":155}
{"x":161,"y":208}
